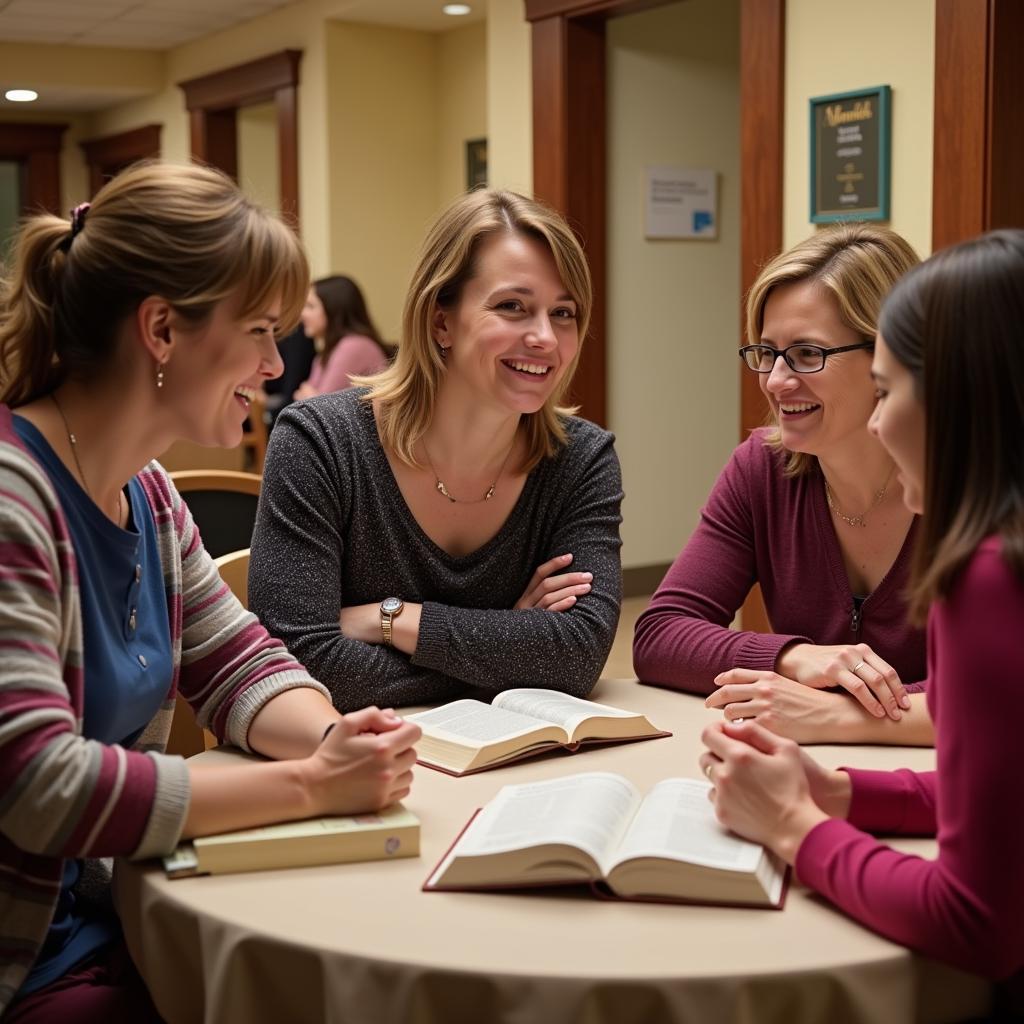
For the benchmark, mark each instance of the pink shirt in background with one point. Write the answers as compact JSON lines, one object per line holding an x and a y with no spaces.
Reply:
{"x":967,"y":906}
{"x":355,"y":354}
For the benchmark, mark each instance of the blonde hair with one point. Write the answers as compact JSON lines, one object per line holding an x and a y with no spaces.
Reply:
{"x":182,"y":232}
{"x":407,"y":390}
{"x":857,"y":264}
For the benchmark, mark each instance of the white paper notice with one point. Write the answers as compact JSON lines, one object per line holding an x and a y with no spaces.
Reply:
{"x":681,"y":203}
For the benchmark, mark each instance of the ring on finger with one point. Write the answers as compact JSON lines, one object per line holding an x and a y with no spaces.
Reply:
{"x":857,"y":666}
{"x":707,"y":772}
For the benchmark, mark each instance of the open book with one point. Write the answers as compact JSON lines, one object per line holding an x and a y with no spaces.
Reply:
{"x":468,"y":735}
{"x":596,"y":829}
{"x":393,"y":832}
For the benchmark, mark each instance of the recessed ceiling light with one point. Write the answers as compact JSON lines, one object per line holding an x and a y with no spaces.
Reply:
{"x":456,"y":10}
{"x":21,"y":95}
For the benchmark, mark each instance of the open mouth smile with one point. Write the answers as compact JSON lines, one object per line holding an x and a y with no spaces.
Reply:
{"x":526,"y":368}
{"x":246,"y":396}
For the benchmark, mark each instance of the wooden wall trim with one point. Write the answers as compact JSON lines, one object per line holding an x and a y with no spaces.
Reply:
{"x":213,"y":100}
{"x":979,"y":118}
{"x":124,"y":147}
{"x":37,"y":147}
{"x":256,"y":81}
{"x":539,"y":9}
{"x":569,"y":168}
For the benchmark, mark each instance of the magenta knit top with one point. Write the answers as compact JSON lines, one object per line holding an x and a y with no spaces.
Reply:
{"x":760,"y":526}
{"x":967,"y":906}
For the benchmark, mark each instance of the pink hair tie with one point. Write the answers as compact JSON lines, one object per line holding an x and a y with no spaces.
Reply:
{"x":78,"y":218}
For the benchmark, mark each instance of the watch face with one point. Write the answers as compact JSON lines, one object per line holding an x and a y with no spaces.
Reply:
{"x":390,"y":605}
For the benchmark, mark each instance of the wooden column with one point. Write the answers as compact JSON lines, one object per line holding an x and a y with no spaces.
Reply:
{"x":569,"y":169}
{"x":979,"y":118}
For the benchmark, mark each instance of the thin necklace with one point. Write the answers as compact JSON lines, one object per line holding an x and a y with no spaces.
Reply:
{"x":858,"y":520}
{"x":74,"y":454}
{"x":440,"y":487}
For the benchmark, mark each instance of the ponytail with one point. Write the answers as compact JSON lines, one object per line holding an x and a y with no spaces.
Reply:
{"x":29,"y":366}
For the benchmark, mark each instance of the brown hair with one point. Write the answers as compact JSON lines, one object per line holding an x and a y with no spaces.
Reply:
{"x":407,"y":390}
{"x":857,"y":264}
{"x":346,"y":313}
{"x":954,"y":323}
{"x":185,"y":233}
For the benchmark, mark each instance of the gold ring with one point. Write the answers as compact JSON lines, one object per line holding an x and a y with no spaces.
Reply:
{"x":707,"y":771}
{"x":857,"y":666}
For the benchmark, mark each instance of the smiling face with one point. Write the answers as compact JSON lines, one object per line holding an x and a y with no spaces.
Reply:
{"x":817,"y":412}
{"x":216,"y":370}
{"x":314,"y":316}
{"x":513,"y":335}
{"x":899,"y":423}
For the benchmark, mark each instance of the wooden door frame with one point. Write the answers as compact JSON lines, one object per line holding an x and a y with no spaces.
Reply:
{"x":37,"y":147}
{"x":213,"y":100}
{"x":979,"y":118}
{"x":110,"y":153}
{"x":570,"y":140}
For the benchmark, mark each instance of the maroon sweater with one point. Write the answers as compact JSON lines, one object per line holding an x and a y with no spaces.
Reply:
{"x":760,"y":526}
{"x":967,"y":906}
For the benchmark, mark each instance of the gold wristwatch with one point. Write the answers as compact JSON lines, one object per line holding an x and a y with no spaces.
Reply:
{"x":390,"y":609}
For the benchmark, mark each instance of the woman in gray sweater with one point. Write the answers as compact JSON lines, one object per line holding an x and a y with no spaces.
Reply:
{"x":449,"y":526}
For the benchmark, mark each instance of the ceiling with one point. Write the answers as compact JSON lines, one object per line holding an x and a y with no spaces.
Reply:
{"x":163,"y":24}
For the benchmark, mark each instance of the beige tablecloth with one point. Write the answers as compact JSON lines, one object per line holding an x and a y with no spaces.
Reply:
{"x":361,"y":944}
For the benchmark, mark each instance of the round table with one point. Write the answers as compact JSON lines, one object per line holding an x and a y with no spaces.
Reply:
{"x":362,"y":943}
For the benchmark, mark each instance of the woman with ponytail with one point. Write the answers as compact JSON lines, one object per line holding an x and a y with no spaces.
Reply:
{"x":150,"y":317}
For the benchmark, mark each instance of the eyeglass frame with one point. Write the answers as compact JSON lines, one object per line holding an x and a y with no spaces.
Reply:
{"x":825,"y":353}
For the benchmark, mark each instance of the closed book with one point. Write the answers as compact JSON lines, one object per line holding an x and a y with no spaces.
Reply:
{"x":389,"y":834}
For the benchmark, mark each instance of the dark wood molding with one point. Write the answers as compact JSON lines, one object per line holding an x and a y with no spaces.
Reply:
{"x":109,"y":154}
{"x":213,"y":100}
{"x":979,"y":118}
{"x":536,"y":10}
{"x":256,"y":81}
{"x":569,"y":118}
{"x":762,"y":117}
{"x":37,"y":148}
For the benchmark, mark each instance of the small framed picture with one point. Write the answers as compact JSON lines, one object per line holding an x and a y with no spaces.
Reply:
{"x":850,"y":155}
{"x":476,"y":164}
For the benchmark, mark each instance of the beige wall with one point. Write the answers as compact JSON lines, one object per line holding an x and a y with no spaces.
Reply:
{"x":383,"y":157}
{"x":673,"y":305}
{"x":259,"y":172}
{"x":831,"y":47}
{"x":509,"y":97}
{"x":461,"y":103}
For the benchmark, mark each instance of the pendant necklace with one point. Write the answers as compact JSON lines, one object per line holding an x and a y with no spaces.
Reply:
{"x":858,"y":520}
{"x":439,"y":484}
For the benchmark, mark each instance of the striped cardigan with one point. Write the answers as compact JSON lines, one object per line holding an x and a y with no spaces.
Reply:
{"x":62,"y":795}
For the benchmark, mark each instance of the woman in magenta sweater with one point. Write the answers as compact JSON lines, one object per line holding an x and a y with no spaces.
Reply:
{"x":950,"y":409}
{"x":347,"y":344}
{"x":809,"y":509}
{"x":150,"y":317}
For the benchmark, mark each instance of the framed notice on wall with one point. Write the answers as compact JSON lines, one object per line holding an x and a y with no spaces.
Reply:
{"x":850,"y":155}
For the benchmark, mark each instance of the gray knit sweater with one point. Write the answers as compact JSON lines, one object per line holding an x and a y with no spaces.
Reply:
{"x":333,"y":530}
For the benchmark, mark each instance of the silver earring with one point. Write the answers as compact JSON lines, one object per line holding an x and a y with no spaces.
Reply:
{"x":159,"y":375}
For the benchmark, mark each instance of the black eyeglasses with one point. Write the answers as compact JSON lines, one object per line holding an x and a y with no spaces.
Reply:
{"x":799,"y":358}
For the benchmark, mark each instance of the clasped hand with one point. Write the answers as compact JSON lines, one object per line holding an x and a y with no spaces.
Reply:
{"x":552,"y":590}
{"x":364,"y":763}
{"x":766,"y":788}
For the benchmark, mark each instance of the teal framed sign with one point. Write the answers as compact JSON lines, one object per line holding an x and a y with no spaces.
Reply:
{"x":850,"y":155}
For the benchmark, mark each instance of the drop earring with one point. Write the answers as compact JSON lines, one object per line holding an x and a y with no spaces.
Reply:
{"x":159,"y":375}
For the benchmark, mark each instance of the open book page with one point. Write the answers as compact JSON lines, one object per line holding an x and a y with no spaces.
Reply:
{"x":560,"y":708}
{"x":588,"y":811}
{"x":477,"y":722}
{"x":676,"y":821}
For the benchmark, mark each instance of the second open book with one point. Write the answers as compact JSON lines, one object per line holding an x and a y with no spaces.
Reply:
{"x":468,"y":736}
{"x":596,"y":828}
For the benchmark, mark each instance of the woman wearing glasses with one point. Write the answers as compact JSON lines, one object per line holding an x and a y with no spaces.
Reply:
{"x":811,"y":510}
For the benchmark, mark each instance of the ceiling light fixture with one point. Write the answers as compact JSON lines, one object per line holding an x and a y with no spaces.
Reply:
{"x":457,"y":10}
{"x":21,"y":95}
